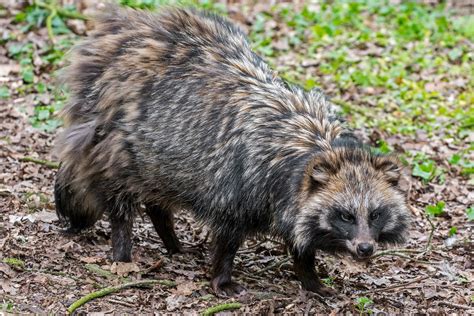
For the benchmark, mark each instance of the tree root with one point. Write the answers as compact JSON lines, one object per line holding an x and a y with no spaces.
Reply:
{"x":220,"y":308}
{"x":109,"y":290}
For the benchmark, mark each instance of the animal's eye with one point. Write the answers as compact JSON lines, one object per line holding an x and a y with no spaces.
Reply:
{"x":347,"y":217}
{"x":374,"y":215}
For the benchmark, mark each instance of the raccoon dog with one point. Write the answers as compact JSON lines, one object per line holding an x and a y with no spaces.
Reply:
{"x":173,"y":110}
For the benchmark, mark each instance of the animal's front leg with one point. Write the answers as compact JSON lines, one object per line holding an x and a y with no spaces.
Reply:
{"x":225,"y":248}
{"x":306,"y":273}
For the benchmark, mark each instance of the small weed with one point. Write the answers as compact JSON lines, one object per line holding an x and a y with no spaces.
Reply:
{"x":452,"y":231}
{"x":470,"y":213}
{"x":362,"y":305}
{"x":382,"y":148}
{"x":426,"y":169}
{"x":435,"y":210}
{"x":462,"y":160}
{"x":7,"y":306}
{"x":154,"y":4}
{"x":329,"y":281}
{"x":4,"y":92}
{"x":14,"y":262}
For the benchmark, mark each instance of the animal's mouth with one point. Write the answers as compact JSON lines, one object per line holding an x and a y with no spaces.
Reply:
{"x":361,"y":259}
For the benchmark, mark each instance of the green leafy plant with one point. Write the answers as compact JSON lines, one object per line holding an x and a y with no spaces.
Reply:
{"x":470,"y":213}
{"x":7,"y":306}
{"x":4,"y":92}
{"x":44,"y":116}
{"x":329,"y":281}
{"x":425,"y":170}
{"x":382,"y":147}
{"x":362,"y":305}
{"x":435,"y":210}
{"x":452,"y":231}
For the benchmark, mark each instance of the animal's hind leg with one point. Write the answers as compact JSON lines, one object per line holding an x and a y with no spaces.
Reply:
{"x":122,"y":224}
{"x":163,"y":221}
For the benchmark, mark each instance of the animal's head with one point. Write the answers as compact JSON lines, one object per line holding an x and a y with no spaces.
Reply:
{"x":352,"y":202}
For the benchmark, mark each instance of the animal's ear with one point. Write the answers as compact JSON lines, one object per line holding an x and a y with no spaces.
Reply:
{"x":390,"y":166}
{"x":321,"y":168}
{"x":319,"y":175}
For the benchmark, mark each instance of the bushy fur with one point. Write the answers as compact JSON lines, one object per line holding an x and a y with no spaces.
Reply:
{"x":173,"y":110}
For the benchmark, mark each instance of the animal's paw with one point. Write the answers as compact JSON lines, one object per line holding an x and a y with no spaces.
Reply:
{"x":325,"y":291}
{"x":317,"y":287}
{"x":183,"y":250}
{"x":227,"y":289}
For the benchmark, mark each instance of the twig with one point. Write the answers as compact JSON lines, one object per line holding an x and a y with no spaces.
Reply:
{"x":121,"y":302}
{"x":47,"y":163}
{"x":401,"y":255}
{"x":396,"y":251}
{"x":454,"y":305}
{"x":199,"y":243}
{"x":154,"y":266}
{"x":220,"y":308}
{"x":430,"y":238}
{"x":109,"y":290}
{"x":249,"y":249}
{"x":389,"y":288}
{"x":275,"y":264}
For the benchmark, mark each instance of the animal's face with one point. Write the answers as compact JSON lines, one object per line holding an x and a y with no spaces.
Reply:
{"x":353,"y":204}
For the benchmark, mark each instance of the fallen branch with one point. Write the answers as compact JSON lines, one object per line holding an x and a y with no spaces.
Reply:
{"x":250,"y":249}
{"x":273,"y":265}
{"x":47,"y":163}
{"x":402,"y":255}
{"x":396,"y":251}
{"x":454,"y":305}
{"x":154,"y":266}
{"x":109,"y":290}
{"x":220,"y":308}
{"x":393,"y":287}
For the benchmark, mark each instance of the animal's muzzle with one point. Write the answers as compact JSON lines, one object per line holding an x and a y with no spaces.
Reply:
{"x":365,"y":250}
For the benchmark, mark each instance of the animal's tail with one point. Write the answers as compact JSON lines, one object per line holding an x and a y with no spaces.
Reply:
{"x":78,"y":207}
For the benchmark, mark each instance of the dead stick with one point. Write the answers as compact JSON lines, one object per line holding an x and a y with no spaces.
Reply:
{"x":449,"y":304}
{"x":430,"y":238}
{"x":109,"y":290}
{"x":389,"y":288}
{"x":47,"y":163}
{"x":275,"y":264}
{"x":154,"y":266}
{"x":396,"y":251}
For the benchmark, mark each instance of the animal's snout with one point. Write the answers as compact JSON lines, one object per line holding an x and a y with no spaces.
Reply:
{"x":365,"y":250}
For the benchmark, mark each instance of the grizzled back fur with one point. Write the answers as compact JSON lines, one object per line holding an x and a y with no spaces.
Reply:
{"x":174,"y":109}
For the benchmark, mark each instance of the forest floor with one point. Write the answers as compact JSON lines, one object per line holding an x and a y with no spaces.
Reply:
{"x":402,"y":75}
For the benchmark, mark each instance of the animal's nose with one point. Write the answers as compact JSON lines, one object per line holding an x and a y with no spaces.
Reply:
{"x":365,"y":249}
